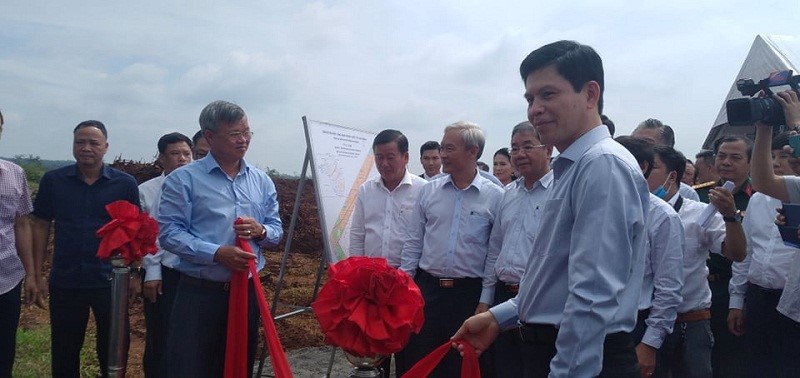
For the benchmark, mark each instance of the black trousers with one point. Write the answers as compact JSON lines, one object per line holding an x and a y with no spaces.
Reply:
{"x":198,"y":331}
{"x":9,"y":320}
{"x":539,"y":348}
{"x":445,"y":311}
{"x":156,"y":316}
{"x":506,"y":351}
{"x":69,"y":316}
{"x":728,"y":354}
{"x":772,"y":340}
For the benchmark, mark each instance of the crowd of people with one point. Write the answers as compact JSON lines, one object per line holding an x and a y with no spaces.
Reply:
{"x":602,"y":261}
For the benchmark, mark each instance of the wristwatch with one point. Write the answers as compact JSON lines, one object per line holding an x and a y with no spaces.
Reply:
{"x":263,"y":232}
{"x":737,"y":217}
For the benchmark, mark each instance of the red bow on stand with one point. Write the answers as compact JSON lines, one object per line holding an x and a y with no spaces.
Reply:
{"x":130,"y":233}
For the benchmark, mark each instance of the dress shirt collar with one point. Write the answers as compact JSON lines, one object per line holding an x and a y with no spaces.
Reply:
{"x":209,"y":163}
{"x":578,"y":148}
{"x":104,"y":172}
{"x":545,"y":182}
{"x":406,"y":180}
{"x":476,"y":182}
{"x":672,"y":201}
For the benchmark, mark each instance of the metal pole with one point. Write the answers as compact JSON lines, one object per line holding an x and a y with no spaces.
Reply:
{"x":117,"y":337}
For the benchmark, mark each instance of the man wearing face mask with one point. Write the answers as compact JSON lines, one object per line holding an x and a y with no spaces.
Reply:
{"x":663,"y":271}
{"x":687,"y":351}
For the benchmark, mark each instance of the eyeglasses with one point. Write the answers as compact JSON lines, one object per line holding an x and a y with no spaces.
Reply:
{"x":237,"y":135}
{"x":527,"y":149}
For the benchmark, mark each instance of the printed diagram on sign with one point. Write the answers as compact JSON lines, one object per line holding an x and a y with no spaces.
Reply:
{"x":329,"y":166}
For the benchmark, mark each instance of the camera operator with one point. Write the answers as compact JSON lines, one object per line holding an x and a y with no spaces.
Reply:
{"x":771,"y":314}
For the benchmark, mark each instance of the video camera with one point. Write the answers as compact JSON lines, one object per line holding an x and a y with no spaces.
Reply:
{"x":747,"y":111}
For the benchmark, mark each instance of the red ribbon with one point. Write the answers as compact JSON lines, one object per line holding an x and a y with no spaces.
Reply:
{"x":236,"y":343}
{"x":425,"y":366}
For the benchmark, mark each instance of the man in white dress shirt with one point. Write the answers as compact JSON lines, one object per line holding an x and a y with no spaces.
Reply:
{"x":686,"y":352}
{"x":384,"y":207}
{"x":160,"y":279}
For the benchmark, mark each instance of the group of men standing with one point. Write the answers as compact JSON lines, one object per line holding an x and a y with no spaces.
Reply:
{"x":592,"y":264}
{"x":202,"y":208}
{"x":606,"y":265}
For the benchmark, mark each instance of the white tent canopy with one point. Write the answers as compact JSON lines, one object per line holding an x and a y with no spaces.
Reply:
{"x":767,"y":54}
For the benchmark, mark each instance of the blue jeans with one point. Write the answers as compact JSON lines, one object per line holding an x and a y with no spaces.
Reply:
{"x":686,"y":352}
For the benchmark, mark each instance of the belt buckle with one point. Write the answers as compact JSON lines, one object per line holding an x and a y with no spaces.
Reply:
{"x":226,"y":286}
{"x":446,"y":283}
{"x":512,"y":288}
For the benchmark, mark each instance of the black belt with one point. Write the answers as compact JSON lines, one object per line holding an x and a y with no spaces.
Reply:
{"x":512,"y":288}
{"x":716,"y":277}
{"x":208,"y":284}
{"x":448,"y":283}
{"x":765,"y":290}
{"x":539,"y":334}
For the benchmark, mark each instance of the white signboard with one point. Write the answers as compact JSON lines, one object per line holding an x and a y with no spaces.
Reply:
{"x":341,"y":160}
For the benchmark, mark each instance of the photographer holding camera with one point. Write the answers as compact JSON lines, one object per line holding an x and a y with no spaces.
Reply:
{"x":769,"y":319}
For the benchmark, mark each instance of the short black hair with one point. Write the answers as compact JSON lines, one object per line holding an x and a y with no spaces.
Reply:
{"x":482,"y":166}
{"x":609,"y":124}
{"x":92,"y":123}
{"x":197,"y":136}
{"x":780,"y":140}
{"x":388,"y":136}
{"x":577,"y":63}
{"x":429,"y":145}
{"x":707,"y":156}
{"x":171,"y":138}
{"x":641,"y":149}
{"x":735,"y":138}
{"x":672,"y":159}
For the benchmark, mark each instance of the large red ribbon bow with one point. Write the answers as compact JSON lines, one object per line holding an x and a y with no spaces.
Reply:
{"x":236,"y":344}
{"x":368,"y":308}
{"x":130,"y":233}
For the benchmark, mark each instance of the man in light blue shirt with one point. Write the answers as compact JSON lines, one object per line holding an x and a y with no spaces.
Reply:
{"x":448,"y":241}
{"x":510,"y":244}
{"x":579,"y":294}
{"x":663,"y":270}
{"x":198,"y":207}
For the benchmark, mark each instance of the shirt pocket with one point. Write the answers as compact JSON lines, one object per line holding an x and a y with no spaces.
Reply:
{"x":692,"y":247}
{"x":478,"y":228}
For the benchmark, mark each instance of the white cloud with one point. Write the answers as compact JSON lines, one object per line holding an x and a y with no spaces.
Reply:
{"x":147,"y":68}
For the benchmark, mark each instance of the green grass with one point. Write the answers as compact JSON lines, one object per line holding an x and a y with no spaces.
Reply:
{"x":33,"y":353}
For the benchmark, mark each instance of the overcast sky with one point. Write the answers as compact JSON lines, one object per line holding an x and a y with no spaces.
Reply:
{"x":146,"y":68}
